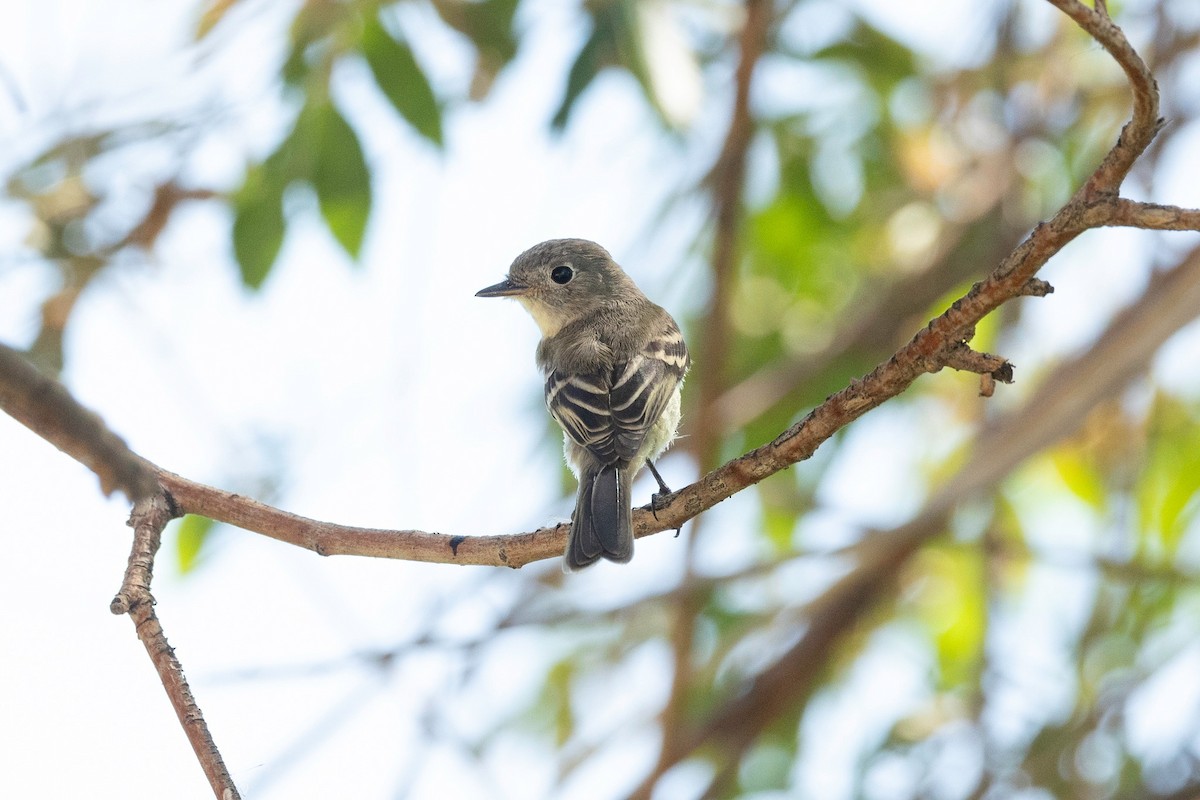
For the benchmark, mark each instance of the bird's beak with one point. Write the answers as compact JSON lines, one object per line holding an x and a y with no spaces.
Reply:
{"x":504,"y":288}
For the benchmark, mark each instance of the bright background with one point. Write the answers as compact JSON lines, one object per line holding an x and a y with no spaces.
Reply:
{"x":384,"y":394}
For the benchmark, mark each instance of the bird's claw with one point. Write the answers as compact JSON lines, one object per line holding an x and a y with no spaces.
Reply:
{"x":659,"y":500}
{"x":662,"y":498}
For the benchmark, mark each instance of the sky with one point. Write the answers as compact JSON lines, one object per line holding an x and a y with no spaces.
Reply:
{"x":383,"y":394}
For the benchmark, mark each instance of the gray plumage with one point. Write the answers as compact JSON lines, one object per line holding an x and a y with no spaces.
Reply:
{"x":614,"y":363}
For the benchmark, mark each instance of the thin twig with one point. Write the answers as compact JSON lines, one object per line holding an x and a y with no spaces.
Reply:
{"x":150,"y":515}
{"x":46,"y":407}
{"x":1142,"y":128}
{"x":1120,"y":212}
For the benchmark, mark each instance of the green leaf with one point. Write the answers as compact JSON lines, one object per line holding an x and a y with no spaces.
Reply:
{"x":258,"y":225}
{"x":401,"y":80}
{"x":587,"y":65}
{"x":1080,"y":477}
{"x":192,"y":534}
{"x":1170,"y":481}
{"x":951,"y":604}
{"x":883,"y":59}
{"x":312,"y":36}
{"x":339,"y":173}
{"x":489,"y":26}
{"x":618,"y":39}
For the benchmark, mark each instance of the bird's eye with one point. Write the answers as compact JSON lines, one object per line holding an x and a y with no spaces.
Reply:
{"x":562,"y":274}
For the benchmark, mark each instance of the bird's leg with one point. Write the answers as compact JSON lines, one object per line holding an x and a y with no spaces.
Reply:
{"x":656,"y":500}
{"x":659,"y":499}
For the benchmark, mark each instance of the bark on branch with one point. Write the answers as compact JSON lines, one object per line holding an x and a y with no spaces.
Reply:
{"x":150,"y":515}
{"x":1095,"y":204}
{"x":1054,"y":411}
{"x":1051,"y":413}
{"x":47,"y":408}
{"x":44,"y":405}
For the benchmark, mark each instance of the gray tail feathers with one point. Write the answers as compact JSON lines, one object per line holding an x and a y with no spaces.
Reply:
{"x":602,"y":526}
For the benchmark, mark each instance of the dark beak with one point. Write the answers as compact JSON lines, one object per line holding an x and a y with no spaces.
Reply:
{"x":504,"y":288}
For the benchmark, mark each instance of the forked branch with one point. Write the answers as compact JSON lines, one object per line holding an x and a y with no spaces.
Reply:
{"x":150,"y":515}
{"x":48,"y":409}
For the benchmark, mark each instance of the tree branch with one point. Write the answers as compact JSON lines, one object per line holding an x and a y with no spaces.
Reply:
{"x":150,"y":515}
{"x":1120,"y":212}
{"x":1050,"y":414}
{"x":930,"y":350}
{"x":790,"y":680}
{"x":1143,"y":127}
{"x":44,"y":405}
{"x":727,"y":182}
{"x":873,"y":318}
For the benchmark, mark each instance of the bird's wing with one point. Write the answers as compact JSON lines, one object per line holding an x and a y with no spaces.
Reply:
{"x":579,"y":403}
{"x":610,"y":412}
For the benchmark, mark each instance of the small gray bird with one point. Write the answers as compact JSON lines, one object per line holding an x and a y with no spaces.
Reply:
{"x":614,"y":365}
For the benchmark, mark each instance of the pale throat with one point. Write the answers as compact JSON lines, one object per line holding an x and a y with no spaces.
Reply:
{"x":548,"y":320}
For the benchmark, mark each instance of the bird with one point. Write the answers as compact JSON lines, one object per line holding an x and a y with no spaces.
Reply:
{"x":614,"y":364}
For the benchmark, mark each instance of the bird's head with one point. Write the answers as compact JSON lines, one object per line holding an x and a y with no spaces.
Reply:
{"x":560,"y":281}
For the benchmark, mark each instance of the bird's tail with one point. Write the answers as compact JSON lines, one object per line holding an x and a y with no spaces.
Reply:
{"x":602,"y":526}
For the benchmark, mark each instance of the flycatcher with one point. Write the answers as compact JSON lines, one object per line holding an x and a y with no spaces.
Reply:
{"x":614,"y":365}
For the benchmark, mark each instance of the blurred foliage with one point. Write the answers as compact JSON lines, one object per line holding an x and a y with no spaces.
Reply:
{"x":888,"y":183}
{"x":190,"y":537}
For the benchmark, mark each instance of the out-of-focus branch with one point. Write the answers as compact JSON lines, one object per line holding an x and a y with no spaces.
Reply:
{"x":46,"y":408}
{"x":1055,"y":410}
{"x":726,"y":183}
{"x":874,"y":320}
{"x":150,"y":515}
{"x":167,"y":197}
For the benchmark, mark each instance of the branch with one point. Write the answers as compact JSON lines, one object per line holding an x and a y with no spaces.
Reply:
{"x":330,"y":539}
{"x":47,"y":408}
{"x":150,"y":515}
{"x":1120,"y":354}
{"x":1120,"y":212}
{"x":1141,"y":129}
{"x":44,"y":405}
{"x":1050,"y":414}
{"x":873,"y":318}
{"x":929,"y":351}
{"x":727,"y":182}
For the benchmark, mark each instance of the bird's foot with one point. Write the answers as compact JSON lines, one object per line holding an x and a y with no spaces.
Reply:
{"x":659,"y":501}
{"x":662,"y":498}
